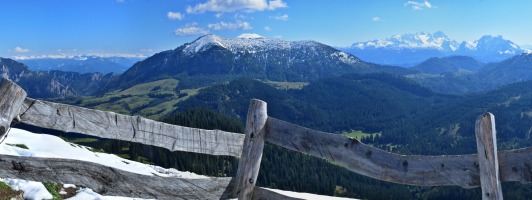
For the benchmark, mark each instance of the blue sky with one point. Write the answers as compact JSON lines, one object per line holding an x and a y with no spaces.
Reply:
{"x":134,"y":27}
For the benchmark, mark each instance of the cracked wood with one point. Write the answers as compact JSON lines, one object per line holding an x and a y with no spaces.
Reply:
{"x":110,"y":181}
{"x":11,"y":100}
{"x":487,"y":157}
{"x":459,"y":170}
{"x":111,"y":125}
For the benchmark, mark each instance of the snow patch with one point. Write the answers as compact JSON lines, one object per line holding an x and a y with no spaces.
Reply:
{"x":301,"y":195}
{"x":41,"y":145}
{"x":245,"y":43}
{"x":55,"y":147}
{"x":32,"y":190}
{"x":250,"y":36}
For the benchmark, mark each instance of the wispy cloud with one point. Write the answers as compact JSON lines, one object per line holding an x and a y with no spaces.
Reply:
{"x":21,"y":50}
{"x":120,"y":1}
{"x":418,"y":5}
{"x":267,"y":28}
{"x":238,"y":25}
{"x":377,"y":19}
{"x":236,"y":5}
{"x":189,"y":30}
{"x":280,"y":17}
{"x":175,"y":15}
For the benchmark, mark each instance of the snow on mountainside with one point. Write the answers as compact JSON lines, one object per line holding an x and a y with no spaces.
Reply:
{"x":437,"y":40}
{"x":412,"y":48}
{"x":251,"y":56}
{"x":55,"y":147}
{"x":254,"y":43}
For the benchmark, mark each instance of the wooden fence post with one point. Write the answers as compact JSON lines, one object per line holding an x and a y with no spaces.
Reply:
{"x":11,"y":98}
{"x":249,"y":164}
{"x":487,"y":157}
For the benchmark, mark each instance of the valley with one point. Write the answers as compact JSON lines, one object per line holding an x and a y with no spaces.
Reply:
{"x":427,"y":109}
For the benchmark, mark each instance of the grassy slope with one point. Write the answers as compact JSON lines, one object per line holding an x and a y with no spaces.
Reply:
{"x":153,"y":100}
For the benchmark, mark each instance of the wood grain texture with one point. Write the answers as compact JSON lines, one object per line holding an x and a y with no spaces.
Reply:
{"x":114,"y":182}
{"x":111,"y":125}
{"x":249,"y":163}
{"x":486,"y":135}
{"x":459,"y":170}
{"x":110,"y":181}
{"x":11,"y":98}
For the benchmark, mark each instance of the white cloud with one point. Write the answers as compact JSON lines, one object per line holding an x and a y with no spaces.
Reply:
{"x":377,"y":19}
{"x":238,"y":25}
{"x":120,"y":1}
{"x":175,"y":15}
{"x":240,"y":16}
{"x":21,"y":50}
{"x":235,"y":5}
{"x":281,"y":17}
{"x":267,"y":28}
{"x":146,"y":50}
{"x":418,"y":5}
{"x":219,"y":15}
{"x":190,"y":29}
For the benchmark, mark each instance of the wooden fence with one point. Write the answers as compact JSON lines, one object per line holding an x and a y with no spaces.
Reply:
{"x":486,"y":169}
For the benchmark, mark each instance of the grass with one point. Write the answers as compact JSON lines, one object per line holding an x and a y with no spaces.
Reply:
{"x":359,"y":134}
{"x":53,"y":189}
{"x":80,"y":140}
{"x":287,"y":85}
{"x":152,"y":100}
{"x":6,"y":193}
{"x":23,"y":146}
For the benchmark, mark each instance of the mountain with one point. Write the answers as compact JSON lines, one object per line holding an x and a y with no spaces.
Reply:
{"x":50,"y":84}
{"x":514,"y":69}
{"x":413,"y":48}
{"x":491,"y":76}
{"x":351,"y":101}
{"x":490,"y":49}
{"x":450,"y":64}
{"x":81,"y":64}
{"x":213,"y":58}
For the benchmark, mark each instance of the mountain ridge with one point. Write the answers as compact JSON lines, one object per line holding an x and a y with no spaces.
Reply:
{"x":51,"y":84}
{"x":80,"y":63}
{"x":216,"y":57}
{"x":412,"y":48}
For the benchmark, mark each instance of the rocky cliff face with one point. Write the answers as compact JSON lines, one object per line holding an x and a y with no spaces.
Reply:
{"x":50,"y":84}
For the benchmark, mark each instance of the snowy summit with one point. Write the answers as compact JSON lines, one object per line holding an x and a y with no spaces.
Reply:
{"x":250,"y":36}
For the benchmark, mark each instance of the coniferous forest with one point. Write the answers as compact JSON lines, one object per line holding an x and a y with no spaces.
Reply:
{"x":406,"y":126}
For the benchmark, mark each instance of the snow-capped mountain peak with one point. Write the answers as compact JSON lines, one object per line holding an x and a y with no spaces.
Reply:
{"x":411,"y":48}
{"x":250,"y":36}
{"x":437,"y":40}
{"x":245,"y":43}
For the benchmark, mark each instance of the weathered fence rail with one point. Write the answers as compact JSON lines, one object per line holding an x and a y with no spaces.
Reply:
{"x":111,"y":125}
{"x":486,"y":169}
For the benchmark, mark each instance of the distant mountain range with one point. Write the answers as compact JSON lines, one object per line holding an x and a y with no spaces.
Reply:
{"x":49,"y":84}
{"x":82,"y":64}
{"x":214,"y":58}
{"x":412,"y":48}
{"x":489,"y":77}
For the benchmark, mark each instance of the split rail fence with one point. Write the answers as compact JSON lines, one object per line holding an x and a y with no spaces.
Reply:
{"x":486,"y":169}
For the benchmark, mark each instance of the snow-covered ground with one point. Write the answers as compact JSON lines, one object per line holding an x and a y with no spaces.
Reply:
{"x":40,"y":145}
